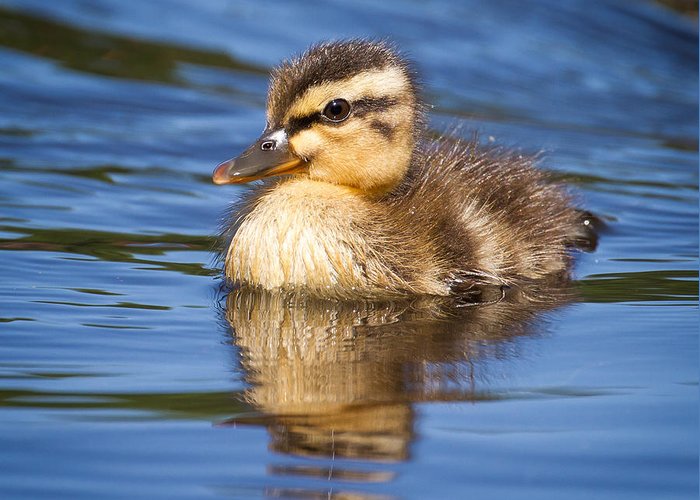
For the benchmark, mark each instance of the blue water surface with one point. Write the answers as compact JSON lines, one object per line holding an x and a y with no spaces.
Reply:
{"x":127,"y":372}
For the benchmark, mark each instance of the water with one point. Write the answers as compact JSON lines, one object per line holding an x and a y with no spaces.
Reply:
{"x":120,"y":373}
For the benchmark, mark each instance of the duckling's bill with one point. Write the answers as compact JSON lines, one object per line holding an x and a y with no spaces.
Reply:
{"x":268,"y":156}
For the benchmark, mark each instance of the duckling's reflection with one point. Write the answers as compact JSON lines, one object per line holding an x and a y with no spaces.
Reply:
{"x":338,"y":379}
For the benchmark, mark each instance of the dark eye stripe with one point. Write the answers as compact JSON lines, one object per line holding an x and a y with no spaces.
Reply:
{"x":373,"y":104}
{"x":296,"y":125}
{"x":361,"y":107}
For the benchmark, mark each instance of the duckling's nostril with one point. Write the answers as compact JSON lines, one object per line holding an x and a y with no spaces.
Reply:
{"x":268,"y":145}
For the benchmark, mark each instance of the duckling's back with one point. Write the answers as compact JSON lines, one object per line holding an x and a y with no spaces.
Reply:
{"x":484,"y":214}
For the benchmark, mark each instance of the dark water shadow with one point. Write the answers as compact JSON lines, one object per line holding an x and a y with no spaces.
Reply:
{"x":107,"y":54}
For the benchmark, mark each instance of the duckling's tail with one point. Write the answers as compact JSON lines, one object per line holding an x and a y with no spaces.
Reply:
{"x":585,"y":233}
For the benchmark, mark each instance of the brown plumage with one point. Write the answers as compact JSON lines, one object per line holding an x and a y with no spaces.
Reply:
{"x":371,"y":207}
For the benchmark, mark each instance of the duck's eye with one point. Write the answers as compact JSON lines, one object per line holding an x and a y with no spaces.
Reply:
{"x":337,"y":110}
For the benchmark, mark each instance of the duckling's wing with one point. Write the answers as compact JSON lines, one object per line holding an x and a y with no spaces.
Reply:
{"x":493,"y":217}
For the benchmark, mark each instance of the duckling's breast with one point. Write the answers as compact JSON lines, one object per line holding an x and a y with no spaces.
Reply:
{"x":309,"y":235}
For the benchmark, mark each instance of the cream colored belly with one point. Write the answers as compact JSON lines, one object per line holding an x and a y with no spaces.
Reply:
{"x":300,"y":236}
{"x":314,"y":236}
{"x":265,"y":253}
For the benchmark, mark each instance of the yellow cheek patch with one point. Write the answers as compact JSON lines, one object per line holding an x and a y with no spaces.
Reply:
{"x":307,"y":142}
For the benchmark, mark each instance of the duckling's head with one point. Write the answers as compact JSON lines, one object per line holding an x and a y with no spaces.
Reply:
{"x":343,"y":112}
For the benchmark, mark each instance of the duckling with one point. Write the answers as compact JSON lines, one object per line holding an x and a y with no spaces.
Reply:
{"x":363,"y":204}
